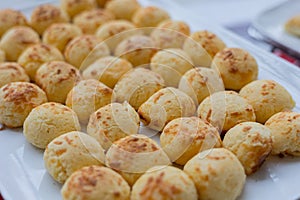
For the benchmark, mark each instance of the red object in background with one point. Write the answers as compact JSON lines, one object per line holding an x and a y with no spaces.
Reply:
{"x":1,"y":197}
{"x":286,"y":56}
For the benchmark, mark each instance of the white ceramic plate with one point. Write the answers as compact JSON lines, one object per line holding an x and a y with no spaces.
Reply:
{"x":23,"y":176}
{"x":270,"y":24}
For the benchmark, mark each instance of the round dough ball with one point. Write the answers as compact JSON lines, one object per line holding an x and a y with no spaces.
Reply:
{"x":45,"y":15}
{"x":57,"y":78}
{"x":292,"y":26}
{"x":164,"y":182}
{"x":48,"y":121}
{"x":2,"y":56}
{"x":95,"y":182}
{"x":70,"y":152}
{"x":89,"y":21}
{"x":200,"y":82}
{"x":12,"y":72}
{"x":113,"y":122}
{"x":107,"y":70}
{"x":225,"y":109}
{"x":137,"y":86}
{"x":10,"y":18}
{"x":209,"y":41}
{"x":197,"y":52}
{"x":236,"y":67}
{"x":217,"y":174}
{"x":185,"y":137}
{"x":16,"y":40}
{"x":137,"y":49}
{"x":59,"y":34}
{"x":149,"y":16}
{"x":16,"y":102}
{"x":285,"y":129}
{"x":251,"y":142}
{"x":170,"y":34}
{"x":87,"y":97}
{"x":171,"y":64}
{"x":267,"y":98}
{"x":34,"y":56}
{"x":164,"y":106}
{"x":83,"y":50}
{"x":113,"y":32}
{"x":123,"y":9}
{"x":133,"y":155}
{"x":74,"y":7}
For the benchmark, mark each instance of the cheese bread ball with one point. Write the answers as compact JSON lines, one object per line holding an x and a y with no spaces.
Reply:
{"x":17,"y":100}
{"x":183,"y":138}
{"x":236,"y":67}
{"x":170,"y":34}
{"x":45,"y":15}
{"x":87,"y":97}
{"x":48,"y":121}
{"x":137,"y":49}
{"x":89,"y":21}
{"x":95,"y":182}
{"x":217,"y":174}
{"x":113,"y":32}
{"x":10,"y":18}
{"x":113,"y":122}
{"x":200,"y":82}
{"x":57,"y":78}
{"x":2,"y":56}
{"x":164,"y":106}
{"x":267,"y":98}
{"x":107,"y":70}
{"x":171,"y":64}
{"x":59,"y":34}
{"x":292,"y":26}
{"x":133,"y":155}
{"x":136,"y":86}
{"x":123,"y":9}
{"x":197,"y":52}
{"x":225,"y":109}
{"x":12,"y":72}
{"x":209,"y":41}
{"x":83,"y":50}
{"x":34,"y":56}
{"x":149,"y":16}
{"x":164,"y":182}
{"x":285,"y":129}
{"x":16,"y":40}
{"x":74,"y":7}
{"x":251,"y":142}
{"x":70,"y":152}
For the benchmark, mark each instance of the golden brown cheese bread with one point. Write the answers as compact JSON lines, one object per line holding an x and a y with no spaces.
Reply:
{"x":16,"y":40}
{"x":123,"y":9}
{"x":86,"y":97}
{"x":285,"y":128}
{"x":12,"y":72}
{"x":217,"y":174}
{"x":48,"y":121}
{"x":95,"y":182}
{"x":57,"y":78}
{"x":164,"y":182}
{"x":70,"y":152}
{"x":267,"y":98}
{"x":17,"y":99}
{"x":113,"y":122}
{"x":183,"y":138}
{"x":251,"y":142}
{"x":45,"y":15}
